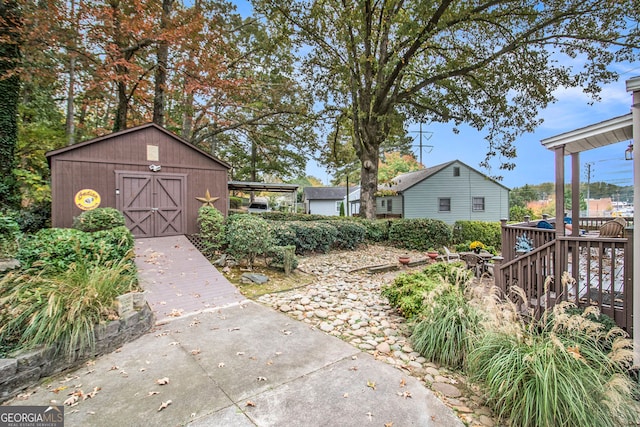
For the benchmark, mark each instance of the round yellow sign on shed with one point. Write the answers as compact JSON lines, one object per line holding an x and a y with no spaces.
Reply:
{"x":87,"y":199}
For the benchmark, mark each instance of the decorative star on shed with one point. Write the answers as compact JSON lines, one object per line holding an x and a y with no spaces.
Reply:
{"x":207,"y":199}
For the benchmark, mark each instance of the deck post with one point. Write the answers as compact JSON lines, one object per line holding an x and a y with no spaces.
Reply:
{"x":575,"y":194}
{"x":633,"y":85}
{"x":557,"y":267}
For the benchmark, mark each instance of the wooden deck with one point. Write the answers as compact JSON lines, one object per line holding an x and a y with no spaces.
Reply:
{"x":178,"y":280}
{"x":585,"y":270}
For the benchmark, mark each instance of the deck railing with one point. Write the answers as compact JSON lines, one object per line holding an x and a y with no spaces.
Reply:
{"x":586,"y":270}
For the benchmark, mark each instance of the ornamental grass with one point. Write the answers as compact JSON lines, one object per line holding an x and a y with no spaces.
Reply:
{"x":564,"y":370}
{"x":62,"y":309}
{"x":447,"y":326}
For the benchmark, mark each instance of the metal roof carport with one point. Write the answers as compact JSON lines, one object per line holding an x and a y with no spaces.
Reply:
{"x":266,"y":186}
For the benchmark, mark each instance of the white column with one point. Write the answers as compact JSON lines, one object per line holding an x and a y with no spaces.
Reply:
{"x":633,"y":85}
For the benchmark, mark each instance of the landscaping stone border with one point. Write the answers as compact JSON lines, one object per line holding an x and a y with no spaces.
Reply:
{"x":27,"y":368}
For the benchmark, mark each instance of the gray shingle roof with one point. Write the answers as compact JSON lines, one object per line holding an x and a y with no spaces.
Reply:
{"x":405,"y":181}
{"x":324,"y":193}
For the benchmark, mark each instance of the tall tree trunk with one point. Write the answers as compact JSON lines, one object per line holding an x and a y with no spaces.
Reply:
{"x":10,"y":26}
{"x":187,"y":116}
{"x":122,"y":107}
{"x":70,"y":124}
{"x":369,"y":183}
{"x":161,"y":67}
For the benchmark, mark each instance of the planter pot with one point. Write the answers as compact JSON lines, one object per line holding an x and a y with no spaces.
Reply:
{"x":404,"y":260}
{"x":432,"y":255}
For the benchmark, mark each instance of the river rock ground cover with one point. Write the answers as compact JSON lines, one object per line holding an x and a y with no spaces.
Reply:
{"x":343,"y":299}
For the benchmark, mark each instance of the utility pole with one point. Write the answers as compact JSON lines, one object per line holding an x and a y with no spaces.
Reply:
{"x":588,"y":165}
{"x":420,"y":144}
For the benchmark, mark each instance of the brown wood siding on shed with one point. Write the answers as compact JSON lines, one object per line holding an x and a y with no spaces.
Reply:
{"x":93,"y":166}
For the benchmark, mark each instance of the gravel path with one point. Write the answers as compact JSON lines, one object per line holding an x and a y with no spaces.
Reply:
{"x":345,"y":302}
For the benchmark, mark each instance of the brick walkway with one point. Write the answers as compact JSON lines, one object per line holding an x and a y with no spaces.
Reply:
{"x":179,"y":280}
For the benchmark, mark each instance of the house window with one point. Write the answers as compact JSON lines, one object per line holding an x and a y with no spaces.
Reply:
{"x":444,"y":204}
{"x":382,"y":203}
{"x":456,"y":171}
{"x":338,"y":206}
{"x":389,"y":205}
{"x":477,"y":204}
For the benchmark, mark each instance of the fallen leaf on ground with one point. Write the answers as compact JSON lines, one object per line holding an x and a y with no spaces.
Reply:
{"x":174,"y":343}
{"x":269,"y":362}
{"x":114,"y":368}
{"x":389,"y":424}
{"x":162,"y":381}
{"x":250,"y":403}
{"x":151,"y":393}
{"x":371,"y":384}
{"x":195,"y":351}
{"x":233,"y":329}
{"x":405,"y":394}
{"x":59,"y":389}
{"x":262,"y":378}
{"x":91,"y":394}
{"x":345,"y":395}
{"x":403,"y":382}
{"x":370,"y":415}
{"x":175,"y":313}
{"x":221,"y":365}
{"x":71,"y":400}
{"x":90,"y":363}
{"x":353,"y":368}
{"x":164,"y":405}
{"x":240,"y":353}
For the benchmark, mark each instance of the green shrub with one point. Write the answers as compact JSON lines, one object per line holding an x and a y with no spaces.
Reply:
{"x":489,"y":233}
{"x":55,"y":249}
{"x":34,"y":217}
{"x":283,"y":258}
{"x":349,"y":235}
{"x":536,"y":375}
{"x":447,"y":327}
{"x":211,"y":225}
{"x":377,"y":230}
{"x":407,"y":291}
{"x":307,"y":237}
{"x":292,"y":216}
{"x":98,"y":219}
{"x":454,"y":272}
{"x":9,"y":233}
{"x":61,"y":309}
{"x":419,"y":234}
{"x":235,"y":202}
{"x":248,"y":236}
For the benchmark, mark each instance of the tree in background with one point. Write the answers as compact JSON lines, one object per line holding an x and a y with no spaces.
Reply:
{"x":490,"y":64}
{"x":10,"y":33}
{"x":394,"y":164}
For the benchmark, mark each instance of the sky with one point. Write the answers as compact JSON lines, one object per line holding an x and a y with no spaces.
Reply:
{"x":534,"y":163}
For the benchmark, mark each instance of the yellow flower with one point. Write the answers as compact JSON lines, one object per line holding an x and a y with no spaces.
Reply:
{"x":476,"y":245}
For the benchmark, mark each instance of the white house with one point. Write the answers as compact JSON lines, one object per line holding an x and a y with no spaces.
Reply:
{"x":323,"y":200}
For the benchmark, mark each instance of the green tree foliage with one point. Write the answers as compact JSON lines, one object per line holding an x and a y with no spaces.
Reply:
{"x":10,"y":27}
{"x":492,"y":65}
{"x":394,"y":164}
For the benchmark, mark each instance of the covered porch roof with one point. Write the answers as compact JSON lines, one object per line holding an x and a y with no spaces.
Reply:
{"x":608,"y":132}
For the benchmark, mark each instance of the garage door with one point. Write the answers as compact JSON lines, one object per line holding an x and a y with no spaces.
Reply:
{"x":152,"y":204}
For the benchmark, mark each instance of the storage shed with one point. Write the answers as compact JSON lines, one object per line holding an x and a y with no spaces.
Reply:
{"x":155,"y":178}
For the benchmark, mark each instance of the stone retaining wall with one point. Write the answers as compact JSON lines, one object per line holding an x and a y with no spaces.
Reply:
{"x":27,"y":368}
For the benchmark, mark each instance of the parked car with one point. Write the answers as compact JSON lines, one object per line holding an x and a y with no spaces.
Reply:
{"x":259,"y":206}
